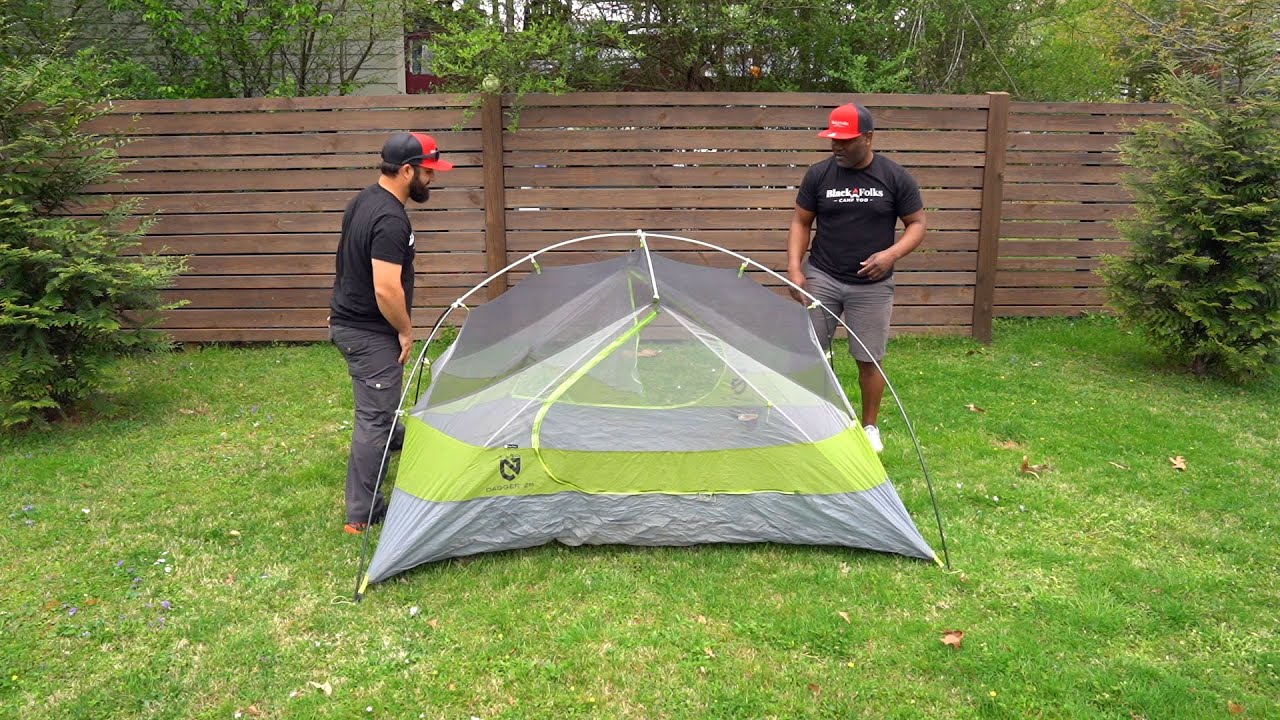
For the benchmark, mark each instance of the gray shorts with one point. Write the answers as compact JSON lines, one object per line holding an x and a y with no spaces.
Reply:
{"x":866,"y":310}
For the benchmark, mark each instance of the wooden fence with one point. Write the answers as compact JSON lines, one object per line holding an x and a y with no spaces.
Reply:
{"x":1020,"y":196}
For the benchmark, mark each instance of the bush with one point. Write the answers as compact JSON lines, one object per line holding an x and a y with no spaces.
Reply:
{"x":74,"y":293}
{"x":1203,"y":276}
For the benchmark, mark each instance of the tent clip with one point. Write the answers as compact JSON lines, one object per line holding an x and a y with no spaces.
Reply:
{"x":459,"y":304}
{"x":742,"y":269}
{"x":536,"y":267}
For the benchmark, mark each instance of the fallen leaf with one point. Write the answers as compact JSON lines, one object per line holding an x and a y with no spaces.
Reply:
{"x":434,"y":623}
{"x":1033,"y":470}
{"x":1008,"y":445}
{"x":325,"y":686}
{"x":748,"y":417}
{"x":845,"y":616}
{"x":91,"y":602}
{"x":234,"y":533}
{"x":709,"y":652}
{"x":815,"y":688}
{"x":52,"y":605}
{"x":1234,"y":708}
{"x":844,"y":568}
{"x":254,"y":711}
{"x":229,"y":580}
{"x":1116,"y":464}
{"x":702,"y":619}
{"x":648,"y":352}
{"x":953,"y":638}
{"x":975,"y":408}
{"x":1179,"y":462}
{"x":413,"y":611}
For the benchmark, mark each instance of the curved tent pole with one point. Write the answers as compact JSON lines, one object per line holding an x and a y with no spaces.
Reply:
{"x":362,"y":581}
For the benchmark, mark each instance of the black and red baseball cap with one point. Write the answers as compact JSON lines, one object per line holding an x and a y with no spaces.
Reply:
{"x":414,"y":149}
{"x":848,"y":122}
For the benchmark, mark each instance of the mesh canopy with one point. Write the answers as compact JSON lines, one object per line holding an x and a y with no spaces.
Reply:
{"x":586,"y":358}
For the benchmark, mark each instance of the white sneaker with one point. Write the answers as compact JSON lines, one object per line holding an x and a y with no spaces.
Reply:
{"x":873,"y":435}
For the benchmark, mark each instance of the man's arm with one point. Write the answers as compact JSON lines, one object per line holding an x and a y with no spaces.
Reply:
{"x":391,"y":303}
{"x":798,"y":238}
{"x":881,"y":263}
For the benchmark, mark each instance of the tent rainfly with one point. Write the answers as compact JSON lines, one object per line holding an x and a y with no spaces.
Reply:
{"x":639,"y":400}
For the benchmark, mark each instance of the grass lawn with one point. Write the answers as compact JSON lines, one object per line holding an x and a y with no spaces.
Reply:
{"x":176,"y":553}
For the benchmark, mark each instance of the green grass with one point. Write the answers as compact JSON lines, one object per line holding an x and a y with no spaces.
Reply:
{"x":1111,"y":586}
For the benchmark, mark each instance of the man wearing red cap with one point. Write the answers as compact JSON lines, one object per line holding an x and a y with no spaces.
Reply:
{"x":370,"y":311}
{"x":857,"y":198}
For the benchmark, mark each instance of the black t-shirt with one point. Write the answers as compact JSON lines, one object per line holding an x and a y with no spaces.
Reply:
{"x":374,"y":227}
{"x":857,"y":212}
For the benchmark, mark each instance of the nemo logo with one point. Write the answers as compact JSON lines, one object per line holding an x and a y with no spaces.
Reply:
{"x":509,"y":467}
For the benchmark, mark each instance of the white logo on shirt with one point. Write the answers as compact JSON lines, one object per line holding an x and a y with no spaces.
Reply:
{"x":846,"y":195}
{"x":410,"y":239}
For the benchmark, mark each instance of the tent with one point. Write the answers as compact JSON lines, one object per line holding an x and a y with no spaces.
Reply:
{"x":637,"y":400}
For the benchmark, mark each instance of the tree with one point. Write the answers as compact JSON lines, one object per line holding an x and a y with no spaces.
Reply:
{"x":73,"y":297}
{"x":1202,"y":279}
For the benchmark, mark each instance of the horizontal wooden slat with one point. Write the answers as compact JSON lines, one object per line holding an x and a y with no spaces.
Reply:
{"x":743,"y":241}
{"x":639,"y":198}
{"x":1061,"y":248}
{"x":1050,"y":296}
{"x":656,"y":220}
{"x":1074,"y":123}
{"x":946,"y":261}
{"x":459,"y":281}
{"x":313,"y":264}
{"x":1073,"y":142}
{"x":752,"y":116}
{"x":1101,"y":229}
{"x":364,"y":144}
{"x":1045,"y":278}
{"x":1059,"y":108}
{"x":802,"y":140}
{"x":283,"y":243}
{"x":1046,"y":310}
{"x":257,"y":105}
{"x":1056,"y":192}
{"x":1061,"y":173}
{"x":268,"y":180}
{"x":361,"y":161}
{"x":713,"y":157}
{"x":277,"y":201}
{"x":1047,"y":264}
{"x":1064,"y":211}
{"x":392,"y":120}
{"x":710,"y":177}
{"x":817,"y":100}
{"x":424,"y":222}
{"x":1046,"y":157}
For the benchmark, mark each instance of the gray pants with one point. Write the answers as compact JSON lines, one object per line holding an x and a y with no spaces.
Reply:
{"x":866,"y":309}
{"x":377,"y":378}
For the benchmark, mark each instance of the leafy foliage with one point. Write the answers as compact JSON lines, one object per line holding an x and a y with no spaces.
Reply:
{"x":1203,"y":276}
{"x":72,"y":299}
{"x":1035,"y":49}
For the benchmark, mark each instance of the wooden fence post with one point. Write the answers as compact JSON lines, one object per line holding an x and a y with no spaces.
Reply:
{"x":984,"y":289}
{"x":495,"y":218}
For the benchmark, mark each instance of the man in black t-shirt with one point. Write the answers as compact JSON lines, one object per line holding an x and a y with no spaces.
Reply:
{"x":370,"y":311}
{"x":857,"y":198}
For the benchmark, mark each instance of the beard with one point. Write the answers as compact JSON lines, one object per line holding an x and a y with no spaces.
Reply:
{"x":418,"y":190}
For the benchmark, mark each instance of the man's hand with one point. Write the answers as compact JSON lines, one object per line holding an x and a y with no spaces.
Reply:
{"x":877,"y":266}
{"x":797,"y":277}
{"x":406,"y":345}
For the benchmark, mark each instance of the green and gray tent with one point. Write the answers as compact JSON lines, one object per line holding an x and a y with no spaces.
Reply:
{"x":643,"y":401}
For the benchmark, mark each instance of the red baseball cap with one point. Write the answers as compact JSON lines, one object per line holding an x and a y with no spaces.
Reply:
{"x":848,"y":122}
{"x":414,"y":149}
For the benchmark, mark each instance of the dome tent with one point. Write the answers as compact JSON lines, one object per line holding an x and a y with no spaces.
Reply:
{"x":636,"y":400}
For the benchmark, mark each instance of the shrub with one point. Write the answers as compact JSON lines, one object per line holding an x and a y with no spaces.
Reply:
{"x":74,"y":292}
{"x":1202,"y":279}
